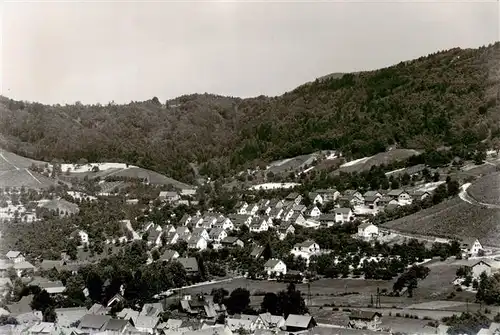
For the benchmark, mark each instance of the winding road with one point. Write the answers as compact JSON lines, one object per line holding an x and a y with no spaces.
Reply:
{"x":465,"y":196}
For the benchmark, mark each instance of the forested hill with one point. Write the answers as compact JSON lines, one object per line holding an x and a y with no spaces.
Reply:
{"x":447,"y":98}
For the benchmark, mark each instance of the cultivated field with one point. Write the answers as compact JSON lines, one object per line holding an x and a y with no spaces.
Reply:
{"x":366,"y":163}
{"x":453,"y":218}
{"x":14,"y":172}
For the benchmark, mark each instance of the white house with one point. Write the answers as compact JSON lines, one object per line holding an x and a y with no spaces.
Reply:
{"x":367,"y":230}
{"x":84,"y":237}
{"x":15,"y":257}
{"x":284,"y":229}
{"x":275,"y":267}
{"x":252,"y":209}
{"x":343,"y":215}
{"x":328,"y":195}
{"x":197,"y":221}
{"x":480,"y":267}
{"x":197,"y":242}
{"x":258,"y":225}
{"x":298,"y":219}
{"x":217,"y":234}
{"x":223,"y":223}
{"x":201,"y":232}
{"x":287,"y":214}
{"x":316,"y":198}
{"x":313,"y":211}
{"x":242,"y":208}
{"x":306,"y":250}
{"x":190,"y":192}
{"x":169,"y":196}
{"x":471,"y":247}
{"x":401,"y":196}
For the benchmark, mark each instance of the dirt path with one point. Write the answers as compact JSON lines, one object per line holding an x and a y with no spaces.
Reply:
{"x":465,"y":196}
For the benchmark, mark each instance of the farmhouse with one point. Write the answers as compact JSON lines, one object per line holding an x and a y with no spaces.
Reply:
{"x":365,"y":320}
{"x":343,"y":215}
{"x":276,"y":203}
{"x":386,"y":201}
{"x":375,"y":194}
{"x":471,"y":247}
{"x":15,"y":257}
{"x":401,"y":196}
{"x":419,"y":195}
{"x":272,"y":321}
{"x":367,"y":230}
{"x":275,"y":267}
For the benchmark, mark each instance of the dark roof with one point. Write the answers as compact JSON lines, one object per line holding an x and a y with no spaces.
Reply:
{"x":343,"y":210}
{"x":371,"y":198}
{"x":116,"y":324}
{"x":190,"y":264}
{"x":257,"y":251}
{"x":327,"y":217}
{"x":93,"y":321}
{"x":229,"y":240}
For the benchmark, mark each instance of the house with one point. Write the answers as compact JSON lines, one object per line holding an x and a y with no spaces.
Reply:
{"x":296,"y":323}
{"x":169,"y":255}
{"x":168,"y":229}
{"x":367,"y":230}
{"x":294,"y":197}
{"x":275,"y":213}
{"x":365,"y":320}
{"x":232,"y":242}
{"x":184,"y":233}
{"x":371,"y":201}
{"x":275,"y":267}
{"x":52,"y":287}
{"x":287,"y":213}
{"x":375,"y":194}
{"x":328,"y":195}
{"x":257,"y":251}
{"x":284,"y":229}
{"x":197,"y":242}
{"x":259,"y":225}
{"x":152,"y":309}
{"x":15,"y":257}
{"x":190,"y":264}
{"x":272,"y":322}
{"x":247,"y":322}
{"x":171,"y":238}
{"x":236,"y":324}
{"x":154,"y":238}
{"x":275,"y":203}
{"x":471,"y":247}
{"x":185,"y":220}
{"x":240,"y":220}
{"x":117,"y":326}
{"x":196,"y":221}
{"x":93,"y":322}
{"x":188,"y":192}
{"x":201,"y":232}
{"x":223,"y":223}
{"x":343,"y":215}
{"x":252,"y":209}
{"x":263,"y":203}
{"x":208,"y":222}
{"x":306,"y":250}
{"x":299,"y":208}
{"x":419,"y":195}
{"x":478,"y":268}
{"x":116,"y":299}
{"x":316,"y":198}
{"x":68,"y":316}
{"x":81,"y":236}
{"x":351,"y":198}
{"x":298,"y":219}
{"x":217,"y":234}
{"x":313,"y":211}
{"x":169,"y":196}
{"x":386,"y":201}
{"x":242,"y":208}
{"x":146,"y":324}
{"x":327,"y":220}
{"x":401,"y":196}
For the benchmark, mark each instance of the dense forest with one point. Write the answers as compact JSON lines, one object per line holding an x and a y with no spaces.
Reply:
{"x":449,"y":98}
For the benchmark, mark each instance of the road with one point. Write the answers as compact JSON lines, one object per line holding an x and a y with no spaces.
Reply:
{"x":465,"y":196}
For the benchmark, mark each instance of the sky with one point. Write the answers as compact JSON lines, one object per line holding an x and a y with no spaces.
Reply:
{"x":63,"y":52}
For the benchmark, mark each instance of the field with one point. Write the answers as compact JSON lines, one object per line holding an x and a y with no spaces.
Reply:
{"x":291,"y":164}
{"x":453,"y":218}
{"x":366,"y":163}
{"x":14,"y":172}
{"x":486,"y":189}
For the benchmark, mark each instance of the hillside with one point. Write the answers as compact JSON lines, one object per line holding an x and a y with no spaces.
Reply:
{"x":14,"y":172}
{"x":447,"y":98}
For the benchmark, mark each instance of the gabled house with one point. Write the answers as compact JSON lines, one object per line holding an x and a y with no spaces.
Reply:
{"x":184,"y":233}
{"x":264,"y":210}
{"x":232,"y":242}
{"x":223,"y":223}
{"x":367,"y":230}
{"x":272,"y":322}
{"x":306,"y":250}
{"x":386,"y":201}
{"x":275,"y":267}
{"x":197,"y":242}
{"x":297,"y":323}
{"x":93,"y":322}
{"x":343,"y":215}
{"x":201,"y":232}
{"x":287,"y":214}
{"x":190,"y":264}
{"x":482,"y":266}
{"x":146,"y":324}
{"x":185,"y":220}
{"x":316,"y":198}
{"x":275,"y":203}
{"x":258,"y":225}
{"x":329,"y":195}
{"x":371,"y":201}
{"x":313,"y":211}
{"x":276,"y":213}
{"x":471,"y":247}
{"x":297,"y":219}
{"x":242,"y":208}
{"x":217,"y":235}
{"x":263,"y":203}
{"x":294,"y":197}
{"x":327,"y":220}
{"x":419,"y":195}
{"x":252,"y":209}
{"x":299,"y":208}
{"x":365,"y":320}
{"x":196,"y":221}
{"x":15,"y":257}
{"x":240,"y":220}
{"x":169,"y":255}
{"x":284,"y":229}
{"x":401,"y":196}
{"x":168,"y":229}
{"x":351,"y":198}
{"x":81,"y":237}
{"x":208,"y":222}
{"x":154,"y":238}
{"x":376,"y":194}
{"x":257,"y":251}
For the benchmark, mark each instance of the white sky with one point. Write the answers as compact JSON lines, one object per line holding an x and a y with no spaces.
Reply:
{"x":62,"y":52}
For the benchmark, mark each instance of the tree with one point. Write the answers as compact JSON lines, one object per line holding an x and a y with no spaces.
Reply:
{"x":238,"y":301}
{"x":291,"y":302}
{"x":219,"y":294}
{"x":409,"y":279}
{"x":267,"y":253}
{"x":42,"y":301}
{"x":270,"y":303}
{"x":155,"y":254}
